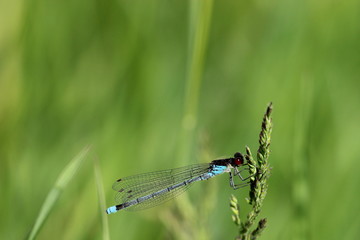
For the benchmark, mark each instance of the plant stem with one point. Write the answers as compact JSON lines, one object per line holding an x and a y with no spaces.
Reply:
{"x":61,"y":183}
{"x":259,"y":171}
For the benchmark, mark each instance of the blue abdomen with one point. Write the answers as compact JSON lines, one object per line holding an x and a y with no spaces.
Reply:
{"x":218,"y":169}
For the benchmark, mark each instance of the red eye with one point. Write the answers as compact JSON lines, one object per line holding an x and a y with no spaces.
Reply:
{"x":238,"y":161}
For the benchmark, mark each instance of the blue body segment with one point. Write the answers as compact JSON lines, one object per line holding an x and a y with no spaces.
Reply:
{"x":147,"y":190}
{"x":218,"y":169}
{"x":111,"y":210}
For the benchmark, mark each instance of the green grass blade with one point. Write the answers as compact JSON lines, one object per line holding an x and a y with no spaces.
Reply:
{"x":101,"y":196}
{"x":64,"y":178}
{"x":200,"y":18}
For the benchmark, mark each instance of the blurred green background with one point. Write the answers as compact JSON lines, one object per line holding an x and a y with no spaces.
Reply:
{"x":161,"y":84}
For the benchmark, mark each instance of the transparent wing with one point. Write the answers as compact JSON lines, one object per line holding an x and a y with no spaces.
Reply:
{"x":140,"y":185}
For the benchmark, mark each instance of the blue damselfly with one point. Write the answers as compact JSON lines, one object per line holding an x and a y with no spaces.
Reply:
{"x":147,"y":190}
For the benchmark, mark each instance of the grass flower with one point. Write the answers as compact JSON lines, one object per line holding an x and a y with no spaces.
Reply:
{"x":259,"y":171}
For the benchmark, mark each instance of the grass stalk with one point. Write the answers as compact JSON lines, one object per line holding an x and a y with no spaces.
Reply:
{"x":61,"y":183}
{"x":259,"y":171}
{"x":101,"y":197}
{"x":200,"y":18}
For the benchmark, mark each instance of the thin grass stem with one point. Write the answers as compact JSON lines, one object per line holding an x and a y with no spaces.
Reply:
{"x":200,"y":18}
{"x":61,"y":183}
{"x":101,"y":197}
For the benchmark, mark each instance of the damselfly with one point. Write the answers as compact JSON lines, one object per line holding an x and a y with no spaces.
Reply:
{"x":147,"y":190}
